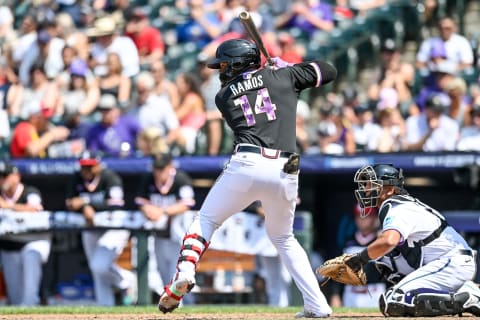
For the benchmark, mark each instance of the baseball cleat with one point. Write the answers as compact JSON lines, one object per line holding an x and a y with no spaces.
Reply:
{"x":309,"y":314}
{"x":173,"y":294}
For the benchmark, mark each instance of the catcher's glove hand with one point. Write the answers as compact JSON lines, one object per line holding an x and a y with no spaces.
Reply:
{"x":339,"y":270}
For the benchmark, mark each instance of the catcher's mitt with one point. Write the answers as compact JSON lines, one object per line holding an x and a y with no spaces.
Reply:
{"x":336,"y":269}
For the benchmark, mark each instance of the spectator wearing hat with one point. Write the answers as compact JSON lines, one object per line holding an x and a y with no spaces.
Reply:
{"x":147,"y":39}
{"x":470,"y":135}
{"x":457,"y":48}
{"x":32,"y":137}
{"x":393,"y":73}
{"x":22,"y":255}
{"x":46,"y":50}
{"x":106,"y":40}
{"x":154,"y":111}
{"x":95,"y":189}
{"x":116,"y":134}
{"x":163,"y":194}
{"x":81,"y":94}
{"x":432,"y":130}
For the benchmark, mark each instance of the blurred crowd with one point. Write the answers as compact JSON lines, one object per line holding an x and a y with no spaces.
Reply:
{"x":97,"y":75}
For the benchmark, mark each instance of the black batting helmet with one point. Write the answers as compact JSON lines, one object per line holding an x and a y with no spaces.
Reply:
{"x":239,"y":54}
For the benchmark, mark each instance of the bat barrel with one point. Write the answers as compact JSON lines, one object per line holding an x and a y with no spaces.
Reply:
{"x":244,"y":15}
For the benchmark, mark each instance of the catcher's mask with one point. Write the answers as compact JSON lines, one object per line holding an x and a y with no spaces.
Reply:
{"x":239,"y":54}
{"x":370,"y":180}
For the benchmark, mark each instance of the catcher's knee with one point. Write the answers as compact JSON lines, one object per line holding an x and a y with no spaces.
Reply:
{"x":420,"y":303}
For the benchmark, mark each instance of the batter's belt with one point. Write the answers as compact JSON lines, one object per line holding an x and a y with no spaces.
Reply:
{"x":265,"y":152}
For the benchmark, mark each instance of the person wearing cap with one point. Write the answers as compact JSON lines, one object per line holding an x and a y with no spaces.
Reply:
{"x":163,"y":194}
{"x":432,"y":130}
{"x":457,"y":48}
{"x":105,"y":40}
{"x":147,"y":39}
{"x":366,"y":230}
{"x":32,"y":137}
{"x":93,"y":189}
{"x":22,"y":255}
{"x":48,"y":50}
{"x":116,"y":133}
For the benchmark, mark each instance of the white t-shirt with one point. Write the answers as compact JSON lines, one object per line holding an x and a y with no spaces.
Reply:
{"x":444,"y":138}
{"x":458,"y":49}
{"x":157,"y":112}
{"x":126,"y":50}
{"x":469,"y":139}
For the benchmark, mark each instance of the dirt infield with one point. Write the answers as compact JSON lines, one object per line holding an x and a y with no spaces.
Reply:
{"x":202,"y":316}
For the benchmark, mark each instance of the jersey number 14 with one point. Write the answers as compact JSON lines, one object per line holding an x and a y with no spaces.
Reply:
{"x":263,"y":104}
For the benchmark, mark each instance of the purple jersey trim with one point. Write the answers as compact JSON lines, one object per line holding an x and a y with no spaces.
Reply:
{"x":319,"y":73}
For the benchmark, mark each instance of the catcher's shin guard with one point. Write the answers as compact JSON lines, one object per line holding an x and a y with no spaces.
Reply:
{"x":422,"y":302}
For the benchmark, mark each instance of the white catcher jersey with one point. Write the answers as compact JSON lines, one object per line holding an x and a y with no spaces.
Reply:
{"x":415,"y":221}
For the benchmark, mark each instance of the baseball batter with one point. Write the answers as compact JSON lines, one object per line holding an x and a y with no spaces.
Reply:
{"x":429,"y":262}
{"x":260,"y":107}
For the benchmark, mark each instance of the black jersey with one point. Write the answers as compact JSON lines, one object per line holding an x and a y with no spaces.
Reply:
{"x":260,"y":106}
{"x":177,"y":189}
{"x":105,"y":192}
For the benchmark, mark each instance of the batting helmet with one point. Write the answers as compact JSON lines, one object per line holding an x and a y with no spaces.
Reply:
{"x":239,"y":54}
{"x":371,"y":179}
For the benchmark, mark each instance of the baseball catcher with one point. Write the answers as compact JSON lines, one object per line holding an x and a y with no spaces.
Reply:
{"x":427,"y":261}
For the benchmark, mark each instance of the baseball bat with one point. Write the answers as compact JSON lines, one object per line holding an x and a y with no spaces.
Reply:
{"x":252,"y":31}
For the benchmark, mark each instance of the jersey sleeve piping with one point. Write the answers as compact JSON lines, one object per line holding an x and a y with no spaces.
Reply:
{"x":318,"y":72}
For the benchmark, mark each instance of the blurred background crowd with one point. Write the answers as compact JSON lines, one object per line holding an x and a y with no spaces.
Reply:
{"x":129,"y":78}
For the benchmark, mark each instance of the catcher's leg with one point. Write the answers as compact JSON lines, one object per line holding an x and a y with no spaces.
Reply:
{"x":425,"y":302}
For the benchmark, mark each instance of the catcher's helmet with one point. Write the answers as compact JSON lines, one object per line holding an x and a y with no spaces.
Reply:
{"x":371,"y":179}
{"x":239,"y":54}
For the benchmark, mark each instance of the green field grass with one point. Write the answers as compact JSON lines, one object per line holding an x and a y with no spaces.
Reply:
{"x":213,"y":309}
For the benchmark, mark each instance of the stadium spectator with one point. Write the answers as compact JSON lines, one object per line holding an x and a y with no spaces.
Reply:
{"x":392,"y":72}
{"x":302,"y":129}
{"x":32,"y":137}
{"x":115,"y":82}
{"x":191,"y":112}
{"x":310,"y":16}
{"x":22,"y":255}
{"x":200,"y":27}
{"x":363,"y":6}
{"x":457,"y":49}
{"x":116,"y":134}
{"x":432,"y":130}
{"x":7,"y":32}
{"x":392,"y":134}
{"x":366,"y":132}
{"x":335,"y":136}
{"x":11,"y":90}
{"x":147,"y":39}
{"x":81,"y":94}
{"x":231,"y":11}
{"x":47,"y":50}
{"x":27,"y":35}
{"x":95,"y":189}
{"x":210,"y":84}
{"x":470,"y":135}
{"x":150,"y":141}
{"x":460,"y":103}
{"x":342,"y":13}
{"x":153,"y":111}
{"x":71,"y":8}
{"x":163,"y":86}
{"x":107,"y":41}
{"x":290,"y":51}
{"x":42,"y":89}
